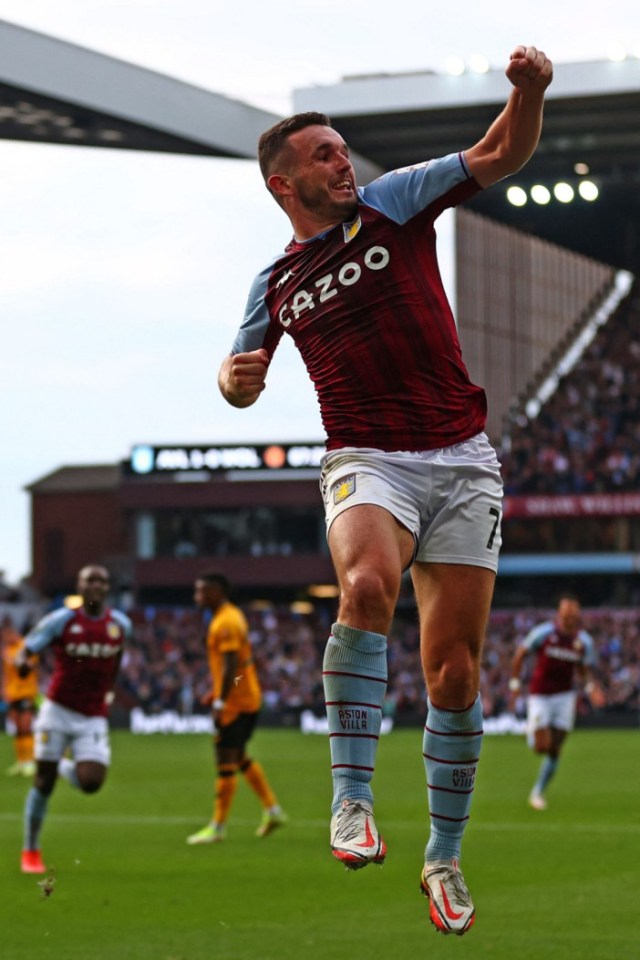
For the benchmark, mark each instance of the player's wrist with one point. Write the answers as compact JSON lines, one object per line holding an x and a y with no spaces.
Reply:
{"x":218,"y":703}
{"x":514,"y":684}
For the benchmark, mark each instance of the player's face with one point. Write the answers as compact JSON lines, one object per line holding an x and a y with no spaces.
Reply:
{"x":322,"y":175}
{"x":206,"y":596}
{"x":93,"y":585}
{"x":569,"y":616}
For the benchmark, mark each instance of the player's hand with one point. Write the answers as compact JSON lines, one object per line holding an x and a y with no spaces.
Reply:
{"x":242,"y":377}
{"x":595,"y":695}
{"x":529,"y":69}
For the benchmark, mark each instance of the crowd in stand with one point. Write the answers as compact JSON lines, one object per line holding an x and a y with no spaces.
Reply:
{"x":586,"y":438}
{"x":165,"y":666}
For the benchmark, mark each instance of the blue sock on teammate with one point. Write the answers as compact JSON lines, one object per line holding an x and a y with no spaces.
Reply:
{"x":35,"y":810}
{"x":547,"y":769}
{"x":355,"y":680}
{"x":451,"y":749}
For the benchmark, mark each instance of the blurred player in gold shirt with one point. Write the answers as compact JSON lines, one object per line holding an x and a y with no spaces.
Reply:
{"x":235,"y":699}
{"x":20,"y":694}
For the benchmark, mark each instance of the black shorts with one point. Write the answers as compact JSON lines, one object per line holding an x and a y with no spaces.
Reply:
{"x":26,"y":705}
{"x":237,"y":733}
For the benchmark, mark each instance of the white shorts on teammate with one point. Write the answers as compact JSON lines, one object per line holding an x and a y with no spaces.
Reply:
{"x":57,"y":729}
{"x":556,"y":710}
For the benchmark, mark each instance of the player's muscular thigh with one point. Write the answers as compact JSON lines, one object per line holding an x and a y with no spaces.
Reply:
{"x":369,"y":551}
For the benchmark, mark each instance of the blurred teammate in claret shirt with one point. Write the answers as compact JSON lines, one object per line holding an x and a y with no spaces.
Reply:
{"x":72,"y":730}
{"x":564,"y":654}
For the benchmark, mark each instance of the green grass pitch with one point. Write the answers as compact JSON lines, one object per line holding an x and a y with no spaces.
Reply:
{"x":558,"y":885}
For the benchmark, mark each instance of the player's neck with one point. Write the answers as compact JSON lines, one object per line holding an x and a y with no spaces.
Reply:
{"x":307,"y":225}
{"x":93,"y":609}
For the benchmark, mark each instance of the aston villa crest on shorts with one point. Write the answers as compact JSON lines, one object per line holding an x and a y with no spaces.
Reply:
{"x":344,"y":487}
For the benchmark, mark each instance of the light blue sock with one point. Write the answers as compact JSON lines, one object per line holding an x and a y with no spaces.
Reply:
{"x":67,"y":769}
{"x":547,"y":769}
{"x":451,"y":749}
{"x":35,"y":810}
{"x":355,"y":680}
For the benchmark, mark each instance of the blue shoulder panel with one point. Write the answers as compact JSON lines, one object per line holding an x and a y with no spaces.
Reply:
{"x":251,"y":334}
{"x":401,"y":194}
{"x":50,"y":627}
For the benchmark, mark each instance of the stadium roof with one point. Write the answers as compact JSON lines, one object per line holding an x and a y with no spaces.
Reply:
{"x":52,"y":91}
{"x":74,"y":479}
{"x":56,"y":92}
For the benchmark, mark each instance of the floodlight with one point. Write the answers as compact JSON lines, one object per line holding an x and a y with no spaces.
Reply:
{"x":540,"y":194}
{"x":563,"y":192}
{"x":479,"y":63}
{"x":516,"y":196}
{"x":454,"y":66}
{"x":588,"y":190}
{"x":616,"y":52}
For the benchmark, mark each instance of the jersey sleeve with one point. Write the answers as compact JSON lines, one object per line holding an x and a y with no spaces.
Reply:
{"x":590,"y":658}
{"x":125,"y":623}
{"x":401,"y":194}
{"x":535,"y":638}
{"x":256,"y":327}
{"x":47,"y":629}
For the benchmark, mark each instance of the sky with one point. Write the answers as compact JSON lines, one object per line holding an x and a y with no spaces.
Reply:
{"x":124,"y":275}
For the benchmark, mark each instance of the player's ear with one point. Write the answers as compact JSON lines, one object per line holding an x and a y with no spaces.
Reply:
{"x":280,"y":185}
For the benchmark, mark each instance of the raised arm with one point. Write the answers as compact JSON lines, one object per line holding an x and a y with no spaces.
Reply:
{"x":242,"y":377}
{"x":513,"y":136}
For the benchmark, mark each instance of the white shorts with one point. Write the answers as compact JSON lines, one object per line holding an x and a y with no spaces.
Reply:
{"x":58,"y":728}
{"x":557,"y":710}
{"x":450,"y":499}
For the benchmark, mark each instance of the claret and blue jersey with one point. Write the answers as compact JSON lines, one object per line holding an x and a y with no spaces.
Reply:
{"x":557,"y":656}
{"x":365,"y":305}
{"x":86,"y":654}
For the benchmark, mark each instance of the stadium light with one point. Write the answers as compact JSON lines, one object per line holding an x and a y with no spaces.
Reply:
{"x":563,"y":192}
{"x":516,"y":196}
{"x":73,"y":602}
{"x":588,"y":190}
{"x":323,"y":590}
{"x":301,"y":607}
{"x":454,"y":66}
{"x":540,"y":194}
{"x":581,"y":169}
{"x":616,"y":52}
{"x":479,"y":63}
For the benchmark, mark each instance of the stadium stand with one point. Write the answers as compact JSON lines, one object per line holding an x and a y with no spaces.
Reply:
{"x":165,"y":667}
{"x":586,"y":438}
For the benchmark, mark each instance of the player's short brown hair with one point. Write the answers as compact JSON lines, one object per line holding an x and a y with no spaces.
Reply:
{"x":273,"y":142}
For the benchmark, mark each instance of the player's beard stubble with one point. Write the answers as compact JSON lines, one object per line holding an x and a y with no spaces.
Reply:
{"x":324,"y":207}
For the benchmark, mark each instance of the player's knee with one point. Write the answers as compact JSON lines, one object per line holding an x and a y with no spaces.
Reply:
{"x":90,"y":777}
{"x":452,"y":684}
{"x":368,"y":597}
